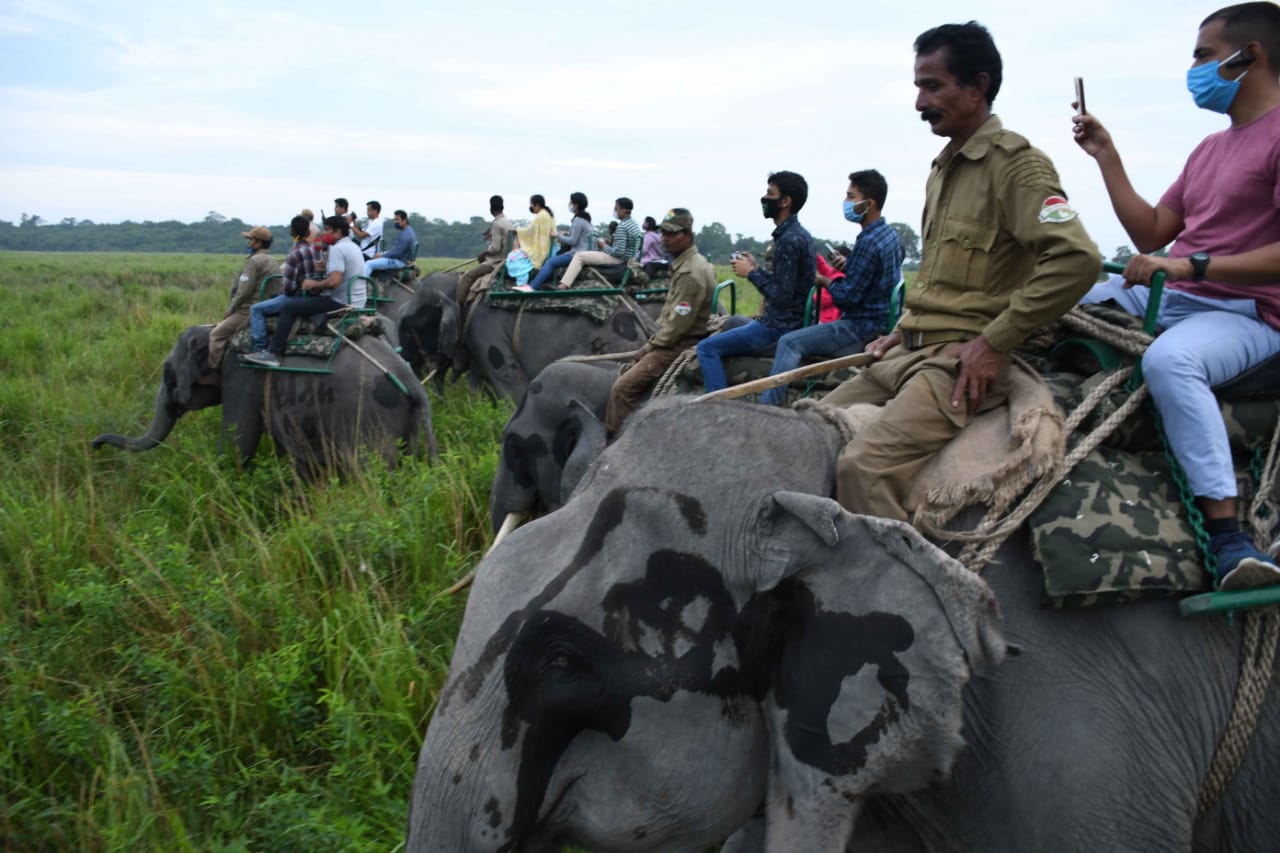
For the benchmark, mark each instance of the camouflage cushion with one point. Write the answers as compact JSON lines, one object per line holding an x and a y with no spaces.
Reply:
{"x":597,"y":307}
{"x":309,"y":341}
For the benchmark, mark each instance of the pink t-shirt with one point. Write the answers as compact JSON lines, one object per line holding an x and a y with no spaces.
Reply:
{"x":1228,"y":196}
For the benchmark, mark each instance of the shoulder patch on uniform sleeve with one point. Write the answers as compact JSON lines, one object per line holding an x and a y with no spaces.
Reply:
{"x":683,"y":308}
{"x":1032,"y":169}
{"x":1056,"y":209}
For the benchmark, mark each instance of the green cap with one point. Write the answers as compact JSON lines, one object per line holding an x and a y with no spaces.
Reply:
{"x":677,"y":219}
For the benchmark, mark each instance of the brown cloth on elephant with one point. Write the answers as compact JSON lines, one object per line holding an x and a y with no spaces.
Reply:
{"x":1001,"y":452}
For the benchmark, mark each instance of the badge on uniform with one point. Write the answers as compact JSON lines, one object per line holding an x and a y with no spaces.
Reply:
{"x":244,"y":277}
{"x":1056,"y":209}
{"x":683,"y":308}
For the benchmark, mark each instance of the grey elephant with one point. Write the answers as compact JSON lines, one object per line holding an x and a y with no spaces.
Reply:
{"x":555,"y":432}
{"x":697,"y":633}
{"x":434,"y":335}
{"x":1096,"y":735}
{"x":318,"y":420}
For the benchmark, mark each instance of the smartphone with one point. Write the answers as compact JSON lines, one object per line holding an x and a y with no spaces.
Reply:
{"x":1080,"y":110}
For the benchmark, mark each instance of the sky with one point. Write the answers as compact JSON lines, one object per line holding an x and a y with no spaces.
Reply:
{"x":152,"y":110}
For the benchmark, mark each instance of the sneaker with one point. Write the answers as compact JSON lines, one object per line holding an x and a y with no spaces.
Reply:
{"x":1240,"y":564}
{"x":523,"y":288}
{"x":263,"y":357}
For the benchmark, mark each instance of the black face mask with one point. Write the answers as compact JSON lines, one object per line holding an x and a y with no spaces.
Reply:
{"x":531,"y":210}
{"x":770,"y":206}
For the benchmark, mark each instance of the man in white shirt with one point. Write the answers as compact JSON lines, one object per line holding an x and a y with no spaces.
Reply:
{"x":371,"y":235}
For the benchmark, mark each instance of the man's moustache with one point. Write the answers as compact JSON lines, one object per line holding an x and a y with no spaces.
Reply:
{"x":930,"y":115}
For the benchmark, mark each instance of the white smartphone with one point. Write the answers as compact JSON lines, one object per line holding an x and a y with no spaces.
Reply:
{"x":1080,"y":110}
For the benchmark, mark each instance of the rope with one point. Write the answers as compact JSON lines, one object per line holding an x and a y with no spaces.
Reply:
{"x":1264,"y":512}
{"x":666,"y":383}
{"x":1257,"y":657}
{"x":1129,"y":341}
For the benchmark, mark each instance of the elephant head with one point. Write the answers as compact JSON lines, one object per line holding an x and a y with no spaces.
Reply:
{"x":180,"y":391}
{"x":697,"y":631}
{"x":430,"y":329}
{"x":554,"y":434}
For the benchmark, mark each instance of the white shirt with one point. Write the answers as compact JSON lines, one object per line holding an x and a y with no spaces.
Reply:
{"x":369,"y":245}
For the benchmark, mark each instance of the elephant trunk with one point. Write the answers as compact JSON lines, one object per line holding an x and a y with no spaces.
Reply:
{"x":166,"y":415}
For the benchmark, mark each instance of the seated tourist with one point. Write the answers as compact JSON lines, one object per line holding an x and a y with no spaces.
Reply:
{"x":398,"y":256}
{"x":579,"y":239}
{"x":624,"y":245}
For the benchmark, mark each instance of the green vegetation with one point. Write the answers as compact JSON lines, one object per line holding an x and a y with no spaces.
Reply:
{"x":194,"y":656}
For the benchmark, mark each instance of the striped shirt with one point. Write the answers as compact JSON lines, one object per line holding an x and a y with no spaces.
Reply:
{"x":626,"y":242}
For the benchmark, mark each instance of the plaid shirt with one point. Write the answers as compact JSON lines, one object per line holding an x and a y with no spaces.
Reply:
{"x":873,"y":268}
{"x":298,"y":266}
{"x":786,"y":284}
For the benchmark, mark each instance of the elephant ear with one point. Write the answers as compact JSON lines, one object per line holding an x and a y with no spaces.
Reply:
{"x":590,"y":443}
{"x":450,"y":342}
{"x":187,"y":363}
{"x":878,"y":632}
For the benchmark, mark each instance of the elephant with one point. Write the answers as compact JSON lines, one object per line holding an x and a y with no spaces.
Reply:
{"x":434,"y":334}
{"x":318,"y":420}
{"x":647,"y":666}
{"x":1095,"y":733}
{"x":555,"y":432}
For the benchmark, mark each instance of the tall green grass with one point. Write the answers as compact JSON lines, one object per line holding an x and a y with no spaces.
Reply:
{"x":194,"y":656}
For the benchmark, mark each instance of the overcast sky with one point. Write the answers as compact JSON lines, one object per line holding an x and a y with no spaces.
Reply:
{"x":159,"y":110}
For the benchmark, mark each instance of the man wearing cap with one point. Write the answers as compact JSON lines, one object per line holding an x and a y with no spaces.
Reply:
{"x":1003,"y":255}
{"x":244,"y":292}
{"x":682,"y":323}
{"x":624,"y":246}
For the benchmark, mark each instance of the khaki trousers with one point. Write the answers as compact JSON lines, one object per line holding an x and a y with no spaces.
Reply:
{"x":470,"y":277}
{"x":638,"y":379}
{"x":876,"y":471}
{"x":222,"y":333}
{"x":591,"y":259}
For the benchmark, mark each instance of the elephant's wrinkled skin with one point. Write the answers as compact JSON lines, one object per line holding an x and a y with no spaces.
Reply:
{"x":433,"y":334}
{"x":633,"y":667}
{"x":319,"y":420}
{"x":554,"y":434}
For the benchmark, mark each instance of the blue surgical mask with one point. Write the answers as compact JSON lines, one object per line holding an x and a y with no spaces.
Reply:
{"x":1210,"y":91}
{"x":849,"y":210}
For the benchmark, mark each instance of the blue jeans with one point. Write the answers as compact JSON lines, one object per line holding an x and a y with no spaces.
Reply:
{"x":743,"y":340}
{"x":370,"y":267}
{"x":548,"y":267}
{"x":1206,"y":342}
{"x":258,"y":314}
{"x":831,"y":340}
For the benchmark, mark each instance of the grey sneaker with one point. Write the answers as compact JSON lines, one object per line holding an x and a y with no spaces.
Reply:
{"x":1240,"y":564}
{"x":263,"y":357}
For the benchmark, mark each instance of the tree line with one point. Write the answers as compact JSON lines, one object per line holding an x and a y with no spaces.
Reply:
{"x":218,"y":234}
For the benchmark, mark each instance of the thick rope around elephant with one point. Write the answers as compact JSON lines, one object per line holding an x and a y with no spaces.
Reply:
{"x":667,"y":383}
{"x":1261,"y":629}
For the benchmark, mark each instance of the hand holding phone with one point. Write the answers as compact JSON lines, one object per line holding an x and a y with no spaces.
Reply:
{"x":1080,"y":110}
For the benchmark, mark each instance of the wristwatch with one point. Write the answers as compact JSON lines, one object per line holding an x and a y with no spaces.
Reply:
{"x":1199,"y":265}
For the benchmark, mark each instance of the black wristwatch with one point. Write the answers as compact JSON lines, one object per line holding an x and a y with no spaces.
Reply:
{"x":1199,"y":265}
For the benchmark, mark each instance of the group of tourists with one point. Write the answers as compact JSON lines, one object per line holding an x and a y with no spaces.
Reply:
{"x":322,"y":274}
{"x":1004,"y":254}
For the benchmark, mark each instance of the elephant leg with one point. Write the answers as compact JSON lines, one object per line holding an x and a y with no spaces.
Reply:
{"x":242,"y":407}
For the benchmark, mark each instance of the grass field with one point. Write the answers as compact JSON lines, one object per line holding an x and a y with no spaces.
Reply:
{"x":194,"y":656}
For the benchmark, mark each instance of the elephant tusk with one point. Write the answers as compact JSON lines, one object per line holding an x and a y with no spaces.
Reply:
{"x":429,"y":376}
{"x":510,"y":523}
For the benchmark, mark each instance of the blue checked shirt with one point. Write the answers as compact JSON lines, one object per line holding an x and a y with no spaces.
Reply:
{"x":786,"y":285}
{"x":873,"y":268}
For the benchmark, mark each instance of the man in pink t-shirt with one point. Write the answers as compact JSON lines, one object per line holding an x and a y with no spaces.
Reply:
{"x":1221,"y":306}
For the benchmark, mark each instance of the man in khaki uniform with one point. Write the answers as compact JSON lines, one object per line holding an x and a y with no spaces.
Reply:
{"x":1003,"y":254}
{"x":244,"y":293}
{"x":682,"y":323}
{"x":495,"y":251}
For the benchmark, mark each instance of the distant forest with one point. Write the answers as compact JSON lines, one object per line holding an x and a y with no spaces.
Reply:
{"x":217,"y":234}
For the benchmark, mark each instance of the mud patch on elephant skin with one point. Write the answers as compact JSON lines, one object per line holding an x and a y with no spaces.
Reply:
{"x":693,"y":514}
{"x":607,"y":517}
{"x":808,"y":682}
{"x":387,"y":395}
{"x":624,"y":326}
{"x":520,"y":455}
{"x":492,"y":809}
{"x":496,"y":359}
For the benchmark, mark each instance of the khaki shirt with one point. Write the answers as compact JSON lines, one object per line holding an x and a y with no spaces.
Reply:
{"x":259,"y":265}
{"x":499,"y":233}
{"x":1003,"y":252}
{"x":688,"y":305}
